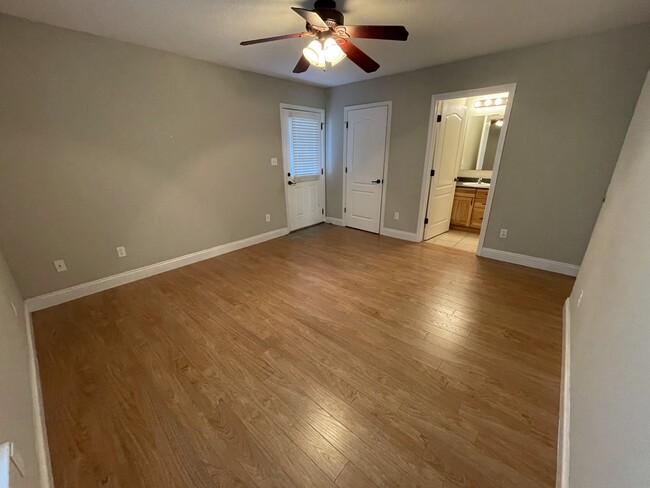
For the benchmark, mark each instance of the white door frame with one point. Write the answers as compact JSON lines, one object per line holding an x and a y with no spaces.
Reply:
{"x":426,"y":178}
{"x":285,"y":157}
{"x":388,"y":104}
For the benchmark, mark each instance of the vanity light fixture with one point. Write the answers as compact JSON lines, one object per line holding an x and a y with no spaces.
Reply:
{"x":490,"y":102}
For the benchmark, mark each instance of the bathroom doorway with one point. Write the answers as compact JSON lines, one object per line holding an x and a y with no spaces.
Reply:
{"x":466,"y":136}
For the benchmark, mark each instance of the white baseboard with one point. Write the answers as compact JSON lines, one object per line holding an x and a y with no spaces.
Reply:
{"x":78,"y":291}
{"x":562,"y":475}
{"x":399,"y":234}
{"x":42,"y":447}
{"x":334,"y":221}
{"x":531,"y":261}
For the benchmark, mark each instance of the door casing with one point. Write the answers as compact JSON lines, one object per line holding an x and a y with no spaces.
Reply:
{"x":426,"y":177}
{"x":389,"y":105}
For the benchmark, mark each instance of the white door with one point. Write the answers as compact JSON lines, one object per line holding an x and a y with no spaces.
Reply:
{"x":446,"y":160}
{"x":302,"y":135}
{"x":365,"y":157}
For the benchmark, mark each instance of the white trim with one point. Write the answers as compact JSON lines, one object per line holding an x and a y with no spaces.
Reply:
{"x":334,"y":221}
{"x":426,"y":177}
{"x":74,"y":292}
{"x":40,"y":429}
{"x":384,"y":185}
{"x":285,"y":157}
{"x":563,"y":451}
{"x":399,"y":234}
{"x":531,"y":261}
{"x":5,"y":460}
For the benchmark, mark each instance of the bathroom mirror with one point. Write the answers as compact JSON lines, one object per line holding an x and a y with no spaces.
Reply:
{"x":480,"y":146}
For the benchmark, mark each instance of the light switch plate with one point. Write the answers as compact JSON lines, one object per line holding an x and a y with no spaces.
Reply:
{"x":268,"y":217}
{"x":121,"y":251}
{"x":274,"y":161}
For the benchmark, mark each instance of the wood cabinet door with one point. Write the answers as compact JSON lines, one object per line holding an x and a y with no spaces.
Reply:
{"x":461,"y":212}
{"x":477,"y":215}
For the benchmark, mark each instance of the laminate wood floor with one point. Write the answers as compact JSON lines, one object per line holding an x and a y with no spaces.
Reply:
{"x":330,"y":357}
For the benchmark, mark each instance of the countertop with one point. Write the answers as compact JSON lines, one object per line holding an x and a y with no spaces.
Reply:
{"x":471,"y":184}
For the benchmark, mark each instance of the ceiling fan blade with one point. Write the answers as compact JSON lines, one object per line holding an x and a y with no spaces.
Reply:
{"x":276,"y":38}
{"x":357,"y":56}
{"x":302,"y":65}
{"x":388,"y":32}
{"x":311,"y":16}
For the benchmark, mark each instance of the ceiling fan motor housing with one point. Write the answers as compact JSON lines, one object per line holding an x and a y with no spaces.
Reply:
{"x":327,"y":11}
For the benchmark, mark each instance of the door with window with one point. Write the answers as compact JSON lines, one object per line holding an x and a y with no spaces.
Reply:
{"x":302,"y":135}
{"x":365,"y":158}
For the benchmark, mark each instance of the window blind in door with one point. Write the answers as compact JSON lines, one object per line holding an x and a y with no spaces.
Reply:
{"x":305,"y":145}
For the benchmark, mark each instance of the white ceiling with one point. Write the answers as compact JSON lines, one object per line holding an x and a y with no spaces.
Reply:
{"x":441,"y":30}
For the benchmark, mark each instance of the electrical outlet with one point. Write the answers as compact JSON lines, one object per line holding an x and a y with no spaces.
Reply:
{"x":582,"y":292}
{"x":121,"y":251}
{"x":274,"y":161}
{"x":13,"y":307}
{"x":60,"y":266}
{"x":268,"y":217}
{"x":503,"y":234}
{"x":396,"y":216}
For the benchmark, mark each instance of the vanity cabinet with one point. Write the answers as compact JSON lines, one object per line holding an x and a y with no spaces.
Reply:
{"x":461,"y":211}
{"x":468,"y":208}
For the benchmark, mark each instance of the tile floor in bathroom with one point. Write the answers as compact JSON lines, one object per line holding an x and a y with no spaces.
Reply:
{"x":458,"y":239}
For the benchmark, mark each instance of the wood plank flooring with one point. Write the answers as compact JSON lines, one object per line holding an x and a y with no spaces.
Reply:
{"x":330,"y":357}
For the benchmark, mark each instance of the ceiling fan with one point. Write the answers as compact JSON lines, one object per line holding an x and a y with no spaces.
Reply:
{"x":331,"y":42}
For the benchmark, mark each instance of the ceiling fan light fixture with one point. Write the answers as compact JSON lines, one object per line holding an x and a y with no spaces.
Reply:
{"x":333,"y":52}
{"x":314,"y":54}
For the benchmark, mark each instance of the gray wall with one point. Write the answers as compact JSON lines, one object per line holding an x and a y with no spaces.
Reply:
{"x":610,"y":330}
{"x":107,"y":144}
{"x":16,"y":413}
{"x":572,"y":107}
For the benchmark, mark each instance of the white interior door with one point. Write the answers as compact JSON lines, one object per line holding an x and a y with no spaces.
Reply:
{"x":446,"y":160}
{"x":366,"y":136}
{"x":302,"y":134}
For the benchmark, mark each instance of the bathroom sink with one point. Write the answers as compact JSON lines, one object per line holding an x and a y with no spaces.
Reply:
{"x":472,"y":184}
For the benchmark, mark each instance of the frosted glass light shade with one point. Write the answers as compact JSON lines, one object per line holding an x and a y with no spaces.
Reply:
{"x":333,"y":53}
{"x":314,"y":54}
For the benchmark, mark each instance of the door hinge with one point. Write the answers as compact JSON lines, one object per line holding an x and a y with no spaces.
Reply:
{"x":322,"y":171}
{"x":322,"y":211}
{"x":433,"y":172}
{"x":346,"y":125}
{"x":439,"y":118}
{"x":322,"y":125}
{"x":345,"y":210}
{"x":346,"y":169}
{"x":426,"y":220}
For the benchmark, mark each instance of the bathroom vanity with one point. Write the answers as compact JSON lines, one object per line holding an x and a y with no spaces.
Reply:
{"x":469,"y":207}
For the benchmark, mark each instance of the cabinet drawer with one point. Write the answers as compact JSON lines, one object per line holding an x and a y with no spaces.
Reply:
{"x":481,"y":195}
{"x":465,"y":192}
